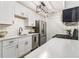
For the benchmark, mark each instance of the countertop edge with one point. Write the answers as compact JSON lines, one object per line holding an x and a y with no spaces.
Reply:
{"x":17,"y":36}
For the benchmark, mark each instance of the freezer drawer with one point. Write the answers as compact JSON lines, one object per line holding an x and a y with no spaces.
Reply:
{"x":42,"y":40}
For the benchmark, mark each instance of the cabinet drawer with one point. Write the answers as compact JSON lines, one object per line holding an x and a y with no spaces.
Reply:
{"x":24,"y":38}
{"x":10,"y":42}
{"x":43,"y":40}
{"x":10,"y":52}
{"x":29,"y":37}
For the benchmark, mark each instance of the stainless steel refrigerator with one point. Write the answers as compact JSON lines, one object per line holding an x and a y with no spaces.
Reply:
{"x":40,"y":27}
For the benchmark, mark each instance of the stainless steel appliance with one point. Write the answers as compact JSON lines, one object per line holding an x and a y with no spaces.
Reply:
{"x":41,"y":29}
{"x":34,"y":41}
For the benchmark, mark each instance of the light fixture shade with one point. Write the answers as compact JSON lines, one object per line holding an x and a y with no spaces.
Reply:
{"x":38,"y":9}
{"x":42,"y":9}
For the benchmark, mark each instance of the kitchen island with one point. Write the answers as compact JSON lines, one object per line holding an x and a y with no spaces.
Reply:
{"x":57,"y":48}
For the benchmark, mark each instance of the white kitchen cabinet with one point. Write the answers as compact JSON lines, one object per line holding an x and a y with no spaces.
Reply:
{"x":31,"y":21}
{"x":16,"y":47}
{"x":21,"y":46}
{"x":33,"y":17}
{"x":6,"y":12}
{"x":10,"y":48}
{"x":23,"y":11}
{"x":28,"y":44}
{"x":25,"y":45}
{"x":20,"y":10}
{"x":26,"y":12}
{"x":0,"y":49}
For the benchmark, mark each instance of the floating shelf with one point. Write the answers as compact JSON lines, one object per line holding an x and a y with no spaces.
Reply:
{"x":20,"y":17}
{"x":5,"y":25}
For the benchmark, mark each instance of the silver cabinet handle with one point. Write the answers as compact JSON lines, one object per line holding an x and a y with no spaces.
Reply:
{"x":11,"y":41}
{"x":26,"y":42}
{"x":17,"y":46}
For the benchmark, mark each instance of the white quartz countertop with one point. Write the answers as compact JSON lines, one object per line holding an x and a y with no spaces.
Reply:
{"x":57,"y":48}
{"x":16,"y":36}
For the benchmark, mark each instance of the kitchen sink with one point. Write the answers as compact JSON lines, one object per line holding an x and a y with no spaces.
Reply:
{"x":63,"y":36}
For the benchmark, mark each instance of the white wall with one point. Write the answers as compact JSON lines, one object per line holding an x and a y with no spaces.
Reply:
{"x":70,"y":4}
{"x":55,"y":25}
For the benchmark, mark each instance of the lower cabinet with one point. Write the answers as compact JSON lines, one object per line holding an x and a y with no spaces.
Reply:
{"x":9,"y":52}
{"x":28,"y":44}
{"x":0,"y":49}
{"x":25,"y":45}
{"x":10,"y":48}
{"x":16,"y":47}
{"x":21,"y":46}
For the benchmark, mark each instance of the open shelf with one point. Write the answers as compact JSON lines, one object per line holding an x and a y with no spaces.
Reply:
{"x":30,"y":27}
{"x":20,"y":17}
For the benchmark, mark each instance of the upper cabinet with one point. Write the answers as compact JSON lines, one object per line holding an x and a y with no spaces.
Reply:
{"x":77,"y":13}
{"x":69,"y":15}
{"x":6,"y":12}
{"x":20,"y":11}
{"x":9,"y":10}
{"x":71,"y":10}
{"x":24,"y":12}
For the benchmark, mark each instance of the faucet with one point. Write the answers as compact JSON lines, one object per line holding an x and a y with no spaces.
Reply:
{"x":20,"y":30}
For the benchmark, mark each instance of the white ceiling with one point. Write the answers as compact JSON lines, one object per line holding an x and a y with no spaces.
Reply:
{"x":52,"y":6}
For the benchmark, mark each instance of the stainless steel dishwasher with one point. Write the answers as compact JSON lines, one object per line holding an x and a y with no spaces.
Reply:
{"x":34,"y":41}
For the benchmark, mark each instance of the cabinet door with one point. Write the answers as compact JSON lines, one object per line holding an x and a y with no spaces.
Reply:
{"x":6,"y":12}
{"x":28,"y":44}
{"x":77,"y":13}
{"x":9,"y":52}
{"x":74,"y":15}
{"x":21,"y":44}
{"x":10,"y":48}
{"x":32,"y":19}
{"x":0,"y":49}
{"x":67,"y":15}
{"x":20,"y":9}
{"x":25,"y":45}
